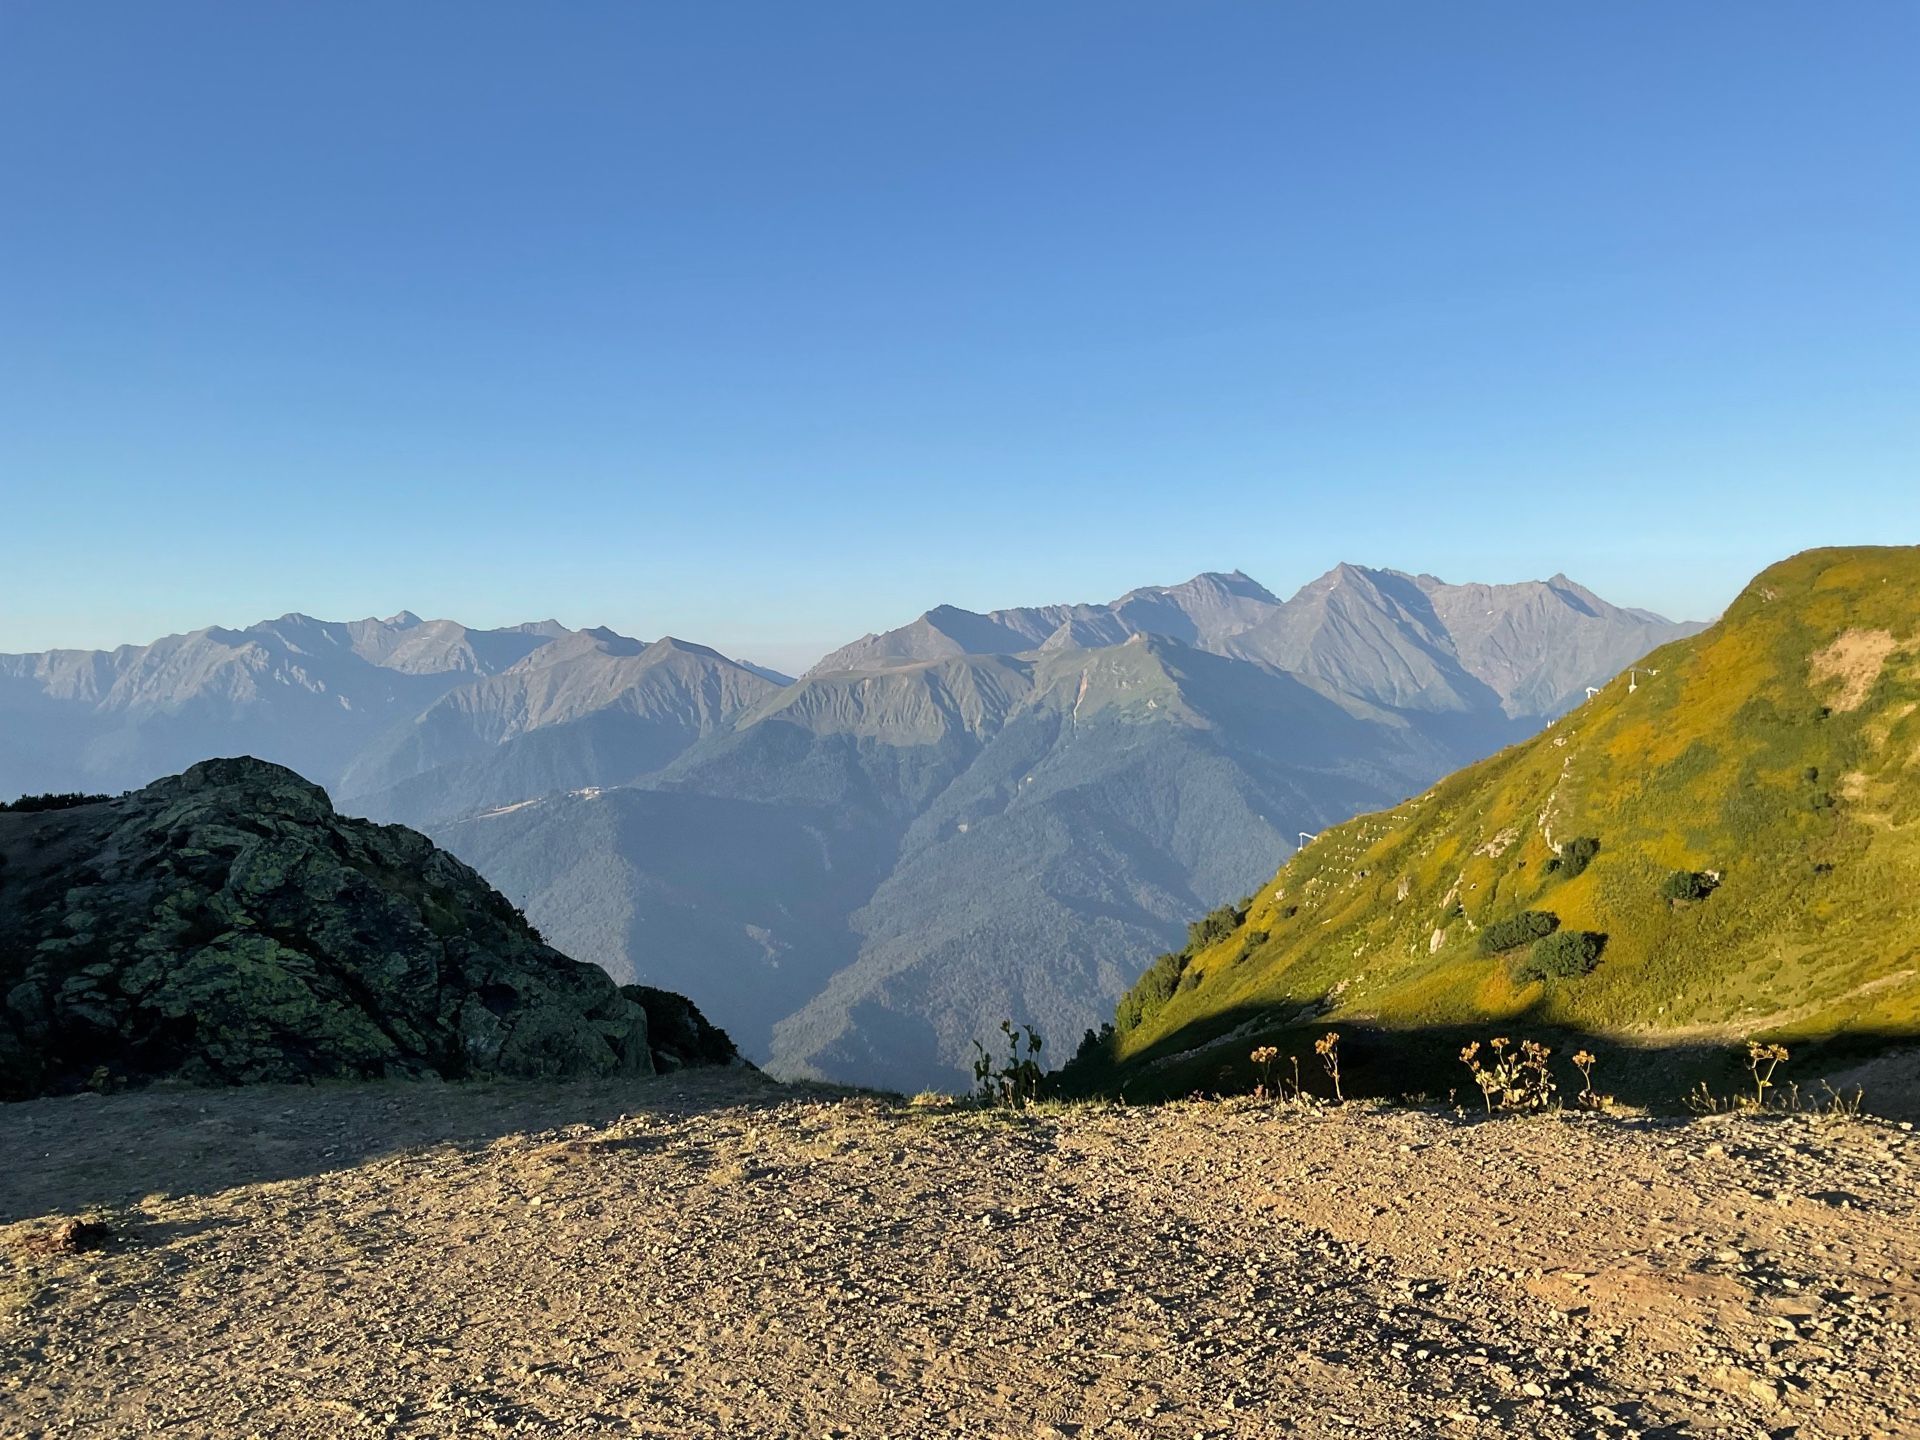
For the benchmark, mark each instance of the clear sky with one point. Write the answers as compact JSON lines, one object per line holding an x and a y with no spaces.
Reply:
{"x":770,"y":324}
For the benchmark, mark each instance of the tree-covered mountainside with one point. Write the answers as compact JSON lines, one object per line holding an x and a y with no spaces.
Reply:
{"x":1723,"y":842}
{"x":885,"y":864}
{"x":226,"y":925}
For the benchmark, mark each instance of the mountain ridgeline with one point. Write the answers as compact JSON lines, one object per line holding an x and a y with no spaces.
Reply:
{"x":1723,"y":843}
{"x":971,"y":817}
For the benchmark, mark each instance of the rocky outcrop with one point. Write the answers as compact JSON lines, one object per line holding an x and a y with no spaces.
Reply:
{"x":225,"y":925}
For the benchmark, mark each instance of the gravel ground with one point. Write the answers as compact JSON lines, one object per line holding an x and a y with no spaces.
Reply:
{"x":715,"y":1255}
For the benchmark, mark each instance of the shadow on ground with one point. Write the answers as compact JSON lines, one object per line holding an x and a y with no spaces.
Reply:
{"x":76,"y":1153}
{"x":1211,"y":1057}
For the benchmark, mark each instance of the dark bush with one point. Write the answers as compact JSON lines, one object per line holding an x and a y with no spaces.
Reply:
{"x":1215,"y":925}
{"x":1577,"y":854}
{"x":1256,"y":938}
{"x":1517,"y":930}
{"x":1687,"y":885}
{"x":1150,"y":991}
{"x":1095,"y":1045}
{"x":1563,"y":956}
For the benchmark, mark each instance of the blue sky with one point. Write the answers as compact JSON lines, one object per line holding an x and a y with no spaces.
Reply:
{"x":767,"y":325}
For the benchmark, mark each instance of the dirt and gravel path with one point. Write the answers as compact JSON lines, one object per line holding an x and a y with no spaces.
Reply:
{"x":717,"y":1256}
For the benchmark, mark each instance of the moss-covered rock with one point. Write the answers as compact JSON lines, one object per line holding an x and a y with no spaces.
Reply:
{"x":225,"y":926}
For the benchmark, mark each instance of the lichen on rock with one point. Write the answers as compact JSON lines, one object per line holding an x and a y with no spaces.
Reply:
{"x":227,"y":926}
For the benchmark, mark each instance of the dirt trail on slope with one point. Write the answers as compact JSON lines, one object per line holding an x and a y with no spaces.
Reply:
{"x":718,"y":1256}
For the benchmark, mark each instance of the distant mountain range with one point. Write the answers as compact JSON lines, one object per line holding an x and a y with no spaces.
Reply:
{"x":970,"y":817}
{"x":369,"y":706}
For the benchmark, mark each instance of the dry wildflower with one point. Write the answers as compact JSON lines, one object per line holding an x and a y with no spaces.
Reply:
{"x":1328,"y":1049}
{"x":1521,"y":1080}
{"x":1762,"y":1060}
{"x":1263,"y":1056}
{"x":1583,"y":1061}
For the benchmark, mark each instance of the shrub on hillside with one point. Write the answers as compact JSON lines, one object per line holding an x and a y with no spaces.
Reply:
{"x":1574,"y":856}
{"x":1150,"y":991}
{"x":1687,"y":885}
{"x":1517,"y":930}
{"x":1214,"y":925}
{"x":1563,"y":956}
{"x":1095,"y":1045}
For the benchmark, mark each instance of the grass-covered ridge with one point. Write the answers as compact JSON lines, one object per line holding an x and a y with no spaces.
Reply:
{"x":1747,"y":809}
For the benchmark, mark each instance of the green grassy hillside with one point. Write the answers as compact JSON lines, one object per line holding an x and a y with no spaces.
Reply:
{"x":1754,"y":792}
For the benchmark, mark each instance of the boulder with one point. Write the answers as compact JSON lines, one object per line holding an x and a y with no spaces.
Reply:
{"x":226,"y":926}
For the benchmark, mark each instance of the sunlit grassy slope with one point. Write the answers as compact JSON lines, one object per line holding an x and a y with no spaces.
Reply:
{"x":1779,"y":750}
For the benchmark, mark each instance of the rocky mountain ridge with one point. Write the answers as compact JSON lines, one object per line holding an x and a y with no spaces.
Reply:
{"x":1382,"y":635}
{"x":356,"y":705}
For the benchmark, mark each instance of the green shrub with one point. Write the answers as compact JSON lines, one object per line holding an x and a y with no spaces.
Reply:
{"x":1256,"y":938}
{"x":1687,"y":885}
{"x":1016,"y":1083}
{"x":1095,"y":1045}
{"x":1215,"y":925}
{"x":1150,"y":991}
{"x":1517,"y":930}
{"x":1575,"y":855}
{"x":1563,"y":956}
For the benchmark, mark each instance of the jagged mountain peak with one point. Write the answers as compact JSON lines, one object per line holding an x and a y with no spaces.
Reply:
{"x":1223,"y":582}
{"x":1207,"y":610}
{"x":1380,"y":635}
{"x":673,"y":645}
{"x":1526,"y":649}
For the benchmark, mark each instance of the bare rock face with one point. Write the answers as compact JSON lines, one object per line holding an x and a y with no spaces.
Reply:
{"x":226,"y":926}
